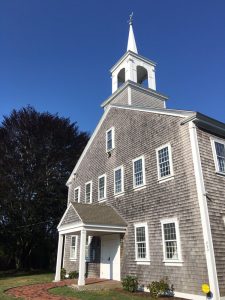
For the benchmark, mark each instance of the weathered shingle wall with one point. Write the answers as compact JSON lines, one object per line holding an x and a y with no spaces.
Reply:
{"x":70,"y":217}
{"x":70,"y":264}
{"x":140,"y":133}
{"x":145,"y":100}
{"x":215,"y":187}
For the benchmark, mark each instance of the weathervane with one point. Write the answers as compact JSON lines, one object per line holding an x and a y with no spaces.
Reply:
{"x":131,"y":19}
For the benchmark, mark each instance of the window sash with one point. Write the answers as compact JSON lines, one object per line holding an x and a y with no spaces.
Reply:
{"x":164,"y":162}
{"x":73,"y":247}
{"x":88,"y":187}
{"x":138,"y":172}
{"x":101,"y":187}
{"x":141,"y":242}
{"x":170,"y":237}
{"x":118,"y":180}
{"x":220,"y":156}
{"x":77,"y":194}
{"x":109,"y":140}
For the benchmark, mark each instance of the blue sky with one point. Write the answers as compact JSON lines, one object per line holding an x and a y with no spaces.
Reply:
{"x":56,"y":54}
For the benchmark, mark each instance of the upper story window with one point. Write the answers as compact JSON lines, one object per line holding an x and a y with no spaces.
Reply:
{"x":102,"y":187}
{"x":171,"y":241}
{"x":138,"y":172}
{"x":73,"y":246}
{"x":118,"y":180}
{"x":110,"y":140}
{"x":164,"y":162}
{"x":219,"y":155}
{"x":77,"y":194}
{"x":141,"y":242}
{"x":88,"y":192}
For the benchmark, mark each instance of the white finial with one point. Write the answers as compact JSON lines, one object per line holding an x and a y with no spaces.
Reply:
{"x":131,"y":45}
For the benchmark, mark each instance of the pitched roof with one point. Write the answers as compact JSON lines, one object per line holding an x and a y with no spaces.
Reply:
{"x":98,"y":214}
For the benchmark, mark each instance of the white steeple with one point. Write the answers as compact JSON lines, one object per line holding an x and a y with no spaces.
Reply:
{"x":131,"y":44}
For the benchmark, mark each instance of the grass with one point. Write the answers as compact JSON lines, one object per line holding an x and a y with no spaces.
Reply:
{"x":95,"y":295}
{"x":19,"y":280}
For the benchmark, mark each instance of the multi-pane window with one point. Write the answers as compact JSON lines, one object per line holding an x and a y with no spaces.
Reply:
{"x":219,"y":154}
{"x":110,"y":139}
{"x":88,"y":192}
{"x":171,"y":241}
{"x":138,"y":172}
{"x":77,"y":194}
{"x":73,"y":246}
{"x":164,"y":161}
{"x":102,"y":187}
{"x":87,"y":247}
{"x":118,"y":180}
{"x":141,"y":242}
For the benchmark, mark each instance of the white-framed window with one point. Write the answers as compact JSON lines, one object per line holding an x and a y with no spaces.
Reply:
{"x":102,"y":187}
{"x":164,"y":161}
{"x":141,"y":243}
{"x":87,"y":247}
{"x":218,"y":147}
{"x":118,"y":180}
{"x":73,"y":246}
{"x":171,"y":241}
{"x":139,"y":172}
{"x":88,"y":192}
{"x":110,"y":139}
{"x":77,"y":194}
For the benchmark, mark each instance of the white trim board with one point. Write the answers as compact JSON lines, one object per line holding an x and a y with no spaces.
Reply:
{"x":204,"y":214}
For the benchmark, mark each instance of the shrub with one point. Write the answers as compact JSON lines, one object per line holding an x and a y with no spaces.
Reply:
{"x":63,"y":273}
{"x":73,"y":275}
{"x":130,"y":283}
{"x":160,"y":288}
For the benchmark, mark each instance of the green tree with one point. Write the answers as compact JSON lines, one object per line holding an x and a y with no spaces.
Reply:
{"x":37,"y":154}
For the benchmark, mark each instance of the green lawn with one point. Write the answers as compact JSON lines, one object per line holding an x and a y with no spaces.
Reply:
{"x":13,"y":281}
{"x":95,"y":295}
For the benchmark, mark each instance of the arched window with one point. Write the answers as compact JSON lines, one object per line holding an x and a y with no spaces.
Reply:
{"x":142,"y":76}
{"x":121,"y":77}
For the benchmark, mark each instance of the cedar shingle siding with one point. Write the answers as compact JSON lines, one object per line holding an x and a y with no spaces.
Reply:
{"x":140,"y":133}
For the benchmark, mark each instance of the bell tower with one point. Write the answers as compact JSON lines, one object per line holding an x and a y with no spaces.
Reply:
{"x":132,"y":66}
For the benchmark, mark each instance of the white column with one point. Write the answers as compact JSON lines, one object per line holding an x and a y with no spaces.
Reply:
{"x":59,"y":258}
{"x":81,"y":279}
{"x":151,"y":78}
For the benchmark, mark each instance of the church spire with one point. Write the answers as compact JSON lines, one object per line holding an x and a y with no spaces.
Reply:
{"x":131,"y":45}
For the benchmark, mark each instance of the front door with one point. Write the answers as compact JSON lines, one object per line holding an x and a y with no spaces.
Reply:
{"x":110,"y":257}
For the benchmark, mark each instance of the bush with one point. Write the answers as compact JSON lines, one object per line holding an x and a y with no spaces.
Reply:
{"x":130,"y":283}
{"x":73,"y":275}
{"x":63,"y":273}
{"x":160,"y":288}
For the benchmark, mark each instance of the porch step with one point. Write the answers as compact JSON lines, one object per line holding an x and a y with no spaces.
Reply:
{"x":93,"y":270}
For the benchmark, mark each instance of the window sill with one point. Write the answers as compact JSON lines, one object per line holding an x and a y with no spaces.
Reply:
{"x":164,"y":179}
{"x":143,"y":262}
{"x":138,"y":188}
{"x":178,"y":263}
{"x":102,"y":200}
{"x":73,"y":259}
{"x":220,"y":173}
{"x":119,"y":194}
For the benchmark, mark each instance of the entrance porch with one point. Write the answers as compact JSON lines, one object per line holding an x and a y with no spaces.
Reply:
{"x":98,"y":221}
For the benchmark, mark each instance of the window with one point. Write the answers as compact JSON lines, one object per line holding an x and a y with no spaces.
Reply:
{"x":110,"y":144}
{"x":88,"y":192}
{"x":141,"y":243}
{"x":77,"y":194}
{"x":171,"y":240}
{"x":118,"y":181}
{"x":87,"y":248}
{"x":138,"y":172}
{"x":102,"y":187}
{"x":219,"y":155}
{"x":164,"y":162}
{"x":73,"y":246}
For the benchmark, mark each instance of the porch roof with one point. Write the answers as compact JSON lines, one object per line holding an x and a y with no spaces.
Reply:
{"x":100,"y":214}
{"x":91,"y":217}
